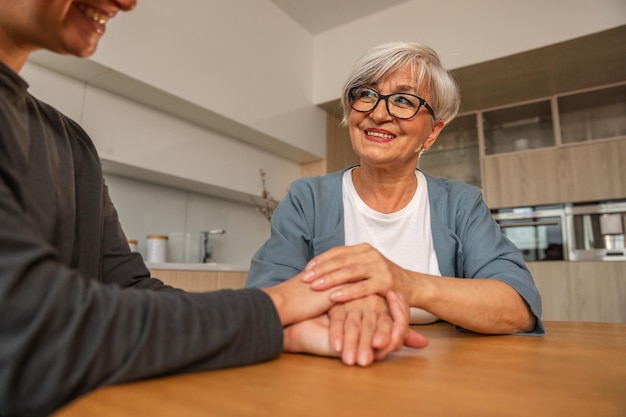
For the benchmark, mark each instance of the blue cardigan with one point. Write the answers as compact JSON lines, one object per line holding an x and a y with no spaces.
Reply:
{"x":468,"y":242}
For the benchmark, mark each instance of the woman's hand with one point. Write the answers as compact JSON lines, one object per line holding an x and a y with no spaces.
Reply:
{"x":371,"y":328}
{"x":359,"y":327}
{"x":362,"y":267}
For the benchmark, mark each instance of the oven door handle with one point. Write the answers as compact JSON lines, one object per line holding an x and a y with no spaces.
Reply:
{"x":535,"y":223}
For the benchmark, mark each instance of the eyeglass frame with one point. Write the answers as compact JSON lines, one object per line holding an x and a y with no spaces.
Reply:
{"x":385,"y":97}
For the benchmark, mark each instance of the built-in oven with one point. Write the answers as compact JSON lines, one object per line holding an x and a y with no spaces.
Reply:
{"x":537,"y":231}
{"x":596,"y":231}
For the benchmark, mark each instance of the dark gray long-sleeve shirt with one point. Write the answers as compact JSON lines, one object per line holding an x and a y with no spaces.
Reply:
{"x":77,"y":309}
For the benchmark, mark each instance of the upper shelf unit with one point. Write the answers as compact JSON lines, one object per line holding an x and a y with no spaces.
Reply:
{"x":519,"y":128}
{"x":591,"y":115}
{"x":594,"y":114}
{"x":564,"y":119}
{"x":455,"y":154}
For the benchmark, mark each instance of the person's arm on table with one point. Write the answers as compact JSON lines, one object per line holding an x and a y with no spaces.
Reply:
{"x":481,"y":305}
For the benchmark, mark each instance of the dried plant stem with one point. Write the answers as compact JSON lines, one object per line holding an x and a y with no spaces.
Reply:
{"x":268,"y":204}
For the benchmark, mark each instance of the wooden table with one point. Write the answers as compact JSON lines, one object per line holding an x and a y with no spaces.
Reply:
{"x":578,"y":369}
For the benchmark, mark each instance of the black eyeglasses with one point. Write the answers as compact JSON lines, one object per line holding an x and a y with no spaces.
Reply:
{"x":399,"y":105}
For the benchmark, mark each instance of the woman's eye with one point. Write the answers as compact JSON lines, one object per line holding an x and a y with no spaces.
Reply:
{"x":404,"y":101}
{"x":367,"y":94}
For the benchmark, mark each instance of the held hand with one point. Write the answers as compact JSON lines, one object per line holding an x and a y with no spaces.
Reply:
{"x":401,"y":332}
{"x":296,"y":301}
{"x":363,"y":268}
{"x":358,"y":327}
{"x":369,"y":329}
{"x":309,"y":336}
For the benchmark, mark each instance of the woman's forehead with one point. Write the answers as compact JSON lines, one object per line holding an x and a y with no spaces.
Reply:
{"x":403,"y":79}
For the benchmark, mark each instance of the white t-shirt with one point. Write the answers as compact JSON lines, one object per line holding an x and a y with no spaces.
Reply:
{"x":403,"y":237}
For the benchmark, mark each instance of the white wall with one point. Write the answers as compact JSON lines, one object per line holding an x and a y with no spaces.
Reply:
{"x":462,"y":32}
{"x":243,"y":59}
{"x":130,"y":133}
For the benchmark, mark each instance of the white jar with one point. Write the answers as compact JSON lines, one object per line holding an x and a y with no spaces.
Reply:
{"x":156,"y":248}
{"x":132,"y":244}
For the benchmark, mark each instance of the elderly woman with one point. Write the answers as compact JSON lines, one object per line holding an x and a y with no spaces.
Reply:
{"x":384,"y":224}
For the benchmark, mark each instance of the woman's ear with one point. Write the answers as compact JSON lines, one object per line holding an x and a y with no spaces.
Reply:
{"x":434,"y":134}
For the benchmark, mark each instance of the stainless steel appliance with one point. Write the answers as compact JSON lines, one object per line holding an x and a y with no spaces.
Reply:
{"x":596,"y":231}
{"x":538,"y":231}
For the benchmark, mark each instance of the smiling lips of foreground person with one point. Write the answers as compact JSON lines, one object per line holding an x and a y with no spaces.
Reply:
{"x":76,"y":30}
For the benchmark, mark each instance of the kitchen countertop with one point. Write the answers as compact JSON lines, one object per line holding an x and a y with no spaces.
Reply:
{"x":212,"y":266}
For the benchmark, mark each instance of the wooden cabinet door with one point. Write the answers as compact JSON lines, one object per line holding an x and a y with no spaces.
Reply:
{"x":522,"y":179}
{"x":201,"y":281}
{"x":585,"y":172}
{"x":339,"y":152}
{"x":582,"y":291}
{"x":593,"y":171}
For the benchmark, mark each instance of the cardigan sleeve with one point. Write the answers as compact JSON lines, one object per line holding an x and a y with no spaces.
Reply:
{"x":288,"y":248}
{"x":470,"y":244}
{"x":306,"y":223}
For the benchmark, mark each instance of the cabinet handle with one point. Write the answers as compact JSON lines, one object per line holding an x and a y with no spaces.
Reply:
{"x":535,"y":223}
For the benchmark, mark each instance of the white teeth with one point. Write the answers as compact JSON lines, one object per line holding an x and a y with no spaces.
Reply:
{"x":93,"y":14}
{"x":380,"y":135}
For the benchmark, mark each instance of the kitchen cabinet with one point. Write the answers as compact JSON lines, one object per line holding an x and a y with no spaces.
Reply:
{"x":518,"y":128}
{"x":455,"y":154}
{"x":593,"y":114}
{"x":339,"y":152}
{"x":593,"y":171}
{"x":201,"y":281}
{"x":522,"y":179}
{"x":585,"y":172}
{"x":576,"y":154}
{"x":582,"y":291}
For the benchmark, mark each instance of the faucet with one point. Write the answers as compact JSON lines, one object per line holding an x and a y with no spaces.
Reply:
{"x":206,"y":249}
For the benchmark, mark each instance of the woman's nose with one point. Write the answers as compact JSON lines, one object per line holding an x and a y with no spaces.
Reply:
{"x":379,"y":113}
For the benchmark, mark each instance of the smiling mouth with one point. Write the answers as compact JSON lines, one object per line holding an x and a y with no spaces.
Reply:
{"x":379,"y":135}
{"x":93,"y":14}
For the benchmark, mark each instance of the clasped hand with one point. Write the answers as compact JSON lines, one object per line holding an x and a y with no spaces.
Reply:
{"x":363,"y":326}
{"x":362,"y":266}
{"x":360,"y":331}
{"x":367,"y":326}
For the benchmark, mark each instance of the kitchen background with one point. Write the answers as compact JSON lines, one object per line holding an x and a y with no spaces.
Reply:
{"x":186,"y":101}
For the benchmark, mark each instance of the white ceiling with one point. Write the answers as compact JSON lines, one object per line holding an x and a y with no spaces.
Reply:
{"x":318,"y":16}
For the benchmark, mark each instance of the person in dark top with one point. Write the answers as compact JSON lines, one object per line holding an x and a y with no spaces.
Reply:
{"x":78,"y":309}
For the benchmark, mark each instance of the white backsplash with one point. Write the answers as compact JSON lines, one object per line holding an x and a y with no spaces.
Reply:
{"x":145,"y":208}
